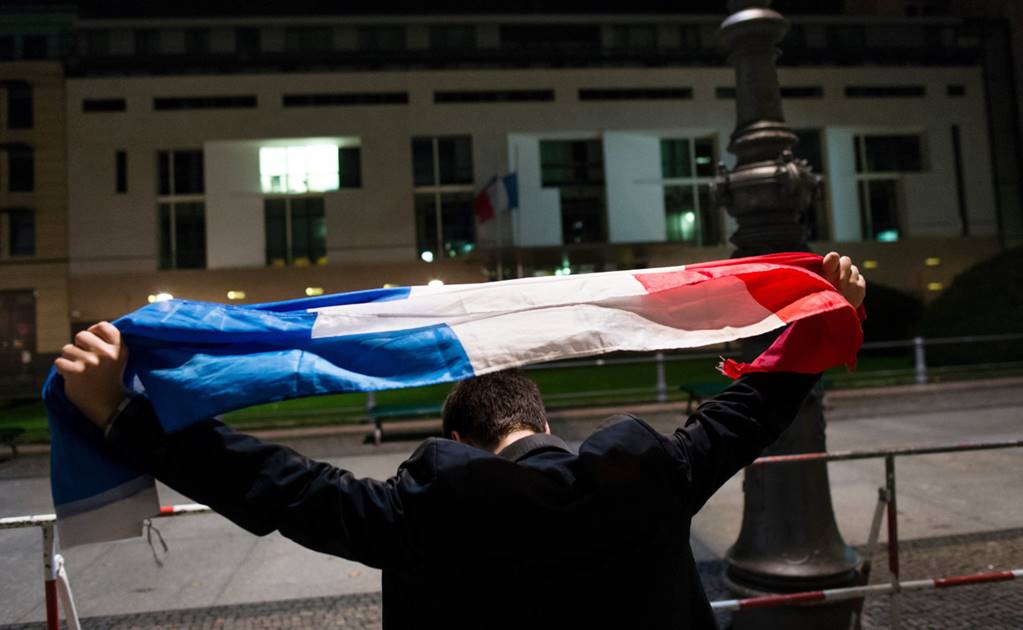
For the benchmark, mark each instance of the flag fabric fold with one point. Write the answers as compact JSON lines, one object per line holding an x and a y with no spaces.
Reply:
{"x":195,"y":360}
{"x":499,"y":195}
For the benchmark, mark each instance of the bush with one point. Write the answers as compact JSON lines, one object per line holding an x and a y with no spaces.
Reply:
{"x":891,"y":314}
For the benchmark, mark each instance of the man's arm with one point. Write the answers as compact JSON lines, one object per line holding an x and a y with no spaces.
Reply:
{"x":729,"y":431}
{"x":261,"y":487}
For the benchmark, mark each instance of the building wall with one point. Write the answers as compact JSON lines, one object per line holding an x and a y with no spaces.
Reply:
{"x":116,"y":233}
{"x":45,"y":272}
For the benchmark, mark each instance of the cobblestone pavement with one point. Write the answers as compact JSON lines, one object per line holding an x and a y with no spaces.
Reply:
{"x":991,"y":606}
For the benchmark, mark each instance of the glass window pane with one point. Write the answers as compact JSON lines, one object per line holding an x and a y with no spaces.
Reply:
{"x":188,"y":175}
{"x":273,"y":169}
{"x":317,"y":230}
{"x":555,"y":162}
{"x":710,"y":218}
{"x":350,"y":166}
{"x":582,"y":215}
{"x":893,"y":154}
{"x":165,"y":237}
{"x":458,"y":224}
{"x":426,"y":227}
{"x":300,"y":231}
{"x":455,"y":156}
{"x":675,"y":158}
{"x":22,"y":237}
{"x":190,"y":235}
{"x":422,"y":162}
{"x":879,"y":205}
{"x":21,"y":170}
{"x":276,"y":232}
{"x":680,"y":214}
{"x":197,"y":41}
{"x":809,"y":148}
{"x":19,"y":106}
{"x":163,"y":172}
{"x":705,"y":157}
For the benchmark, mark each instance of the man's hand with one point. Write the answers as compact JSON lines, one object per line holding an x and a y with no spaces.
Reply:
{"x":93,"y":369}
{"x":844,"y":275}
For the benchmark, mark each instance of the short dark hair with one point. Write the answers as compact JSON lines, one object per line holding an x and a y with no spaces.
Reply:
{"x":486,"y":408}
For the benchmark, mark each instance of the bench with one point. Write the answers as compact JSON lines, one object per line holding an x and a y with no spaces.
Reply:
{"x":698,"y":392}
{"x":11,"y":437}
{"x":383,"y":413}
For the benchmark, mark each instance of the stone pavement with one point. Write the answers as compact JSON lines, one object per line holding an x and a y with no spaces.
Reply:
{"x":991,"y":606}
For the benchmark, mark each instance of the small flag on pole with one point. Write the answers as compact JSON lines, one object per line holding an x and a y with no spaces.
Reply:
{"x":499,"y":195}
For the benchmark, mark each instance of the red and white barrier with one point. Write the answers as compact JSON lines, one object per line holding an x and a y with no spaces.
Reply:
{"x":856,"y":592}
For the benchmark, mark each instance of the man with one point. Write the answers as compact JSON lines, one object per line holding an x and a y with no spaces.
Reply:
{"x":498,"y":526}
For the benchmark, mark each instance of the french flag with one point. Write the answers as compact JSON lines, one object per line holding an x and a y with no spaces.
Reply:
{"x":499,"y":195}
{"x":195,"y":360}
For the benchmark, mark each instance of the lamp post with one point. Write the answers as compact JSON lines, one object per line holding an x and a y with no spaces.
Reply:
{"x":789,"y":540}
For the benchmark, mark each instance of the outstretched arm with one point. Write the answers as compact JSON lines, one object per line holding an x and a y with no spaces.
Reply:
{"x":729,"y":431}
{"x":261,"y":487}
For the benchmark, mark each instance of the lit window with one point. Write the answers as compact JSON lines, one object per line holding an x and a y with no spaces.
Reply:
{"x":299,"y":169}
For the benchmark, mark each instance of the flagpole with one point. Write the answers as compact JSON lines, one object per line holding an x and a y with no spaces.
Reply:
{"x":500,"y":242}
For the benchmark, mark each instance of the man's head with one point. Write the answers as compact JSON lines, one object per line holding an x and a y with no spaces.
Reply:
{"x":482,"y":411}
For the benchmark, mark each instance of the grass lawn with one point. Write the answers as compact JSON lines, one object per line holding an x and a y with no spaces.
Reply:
{"x":575,"y":386}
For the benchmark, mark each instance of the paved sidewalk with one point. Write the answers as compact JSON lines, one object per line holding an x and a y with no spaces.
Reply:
{"x":991,"y":606}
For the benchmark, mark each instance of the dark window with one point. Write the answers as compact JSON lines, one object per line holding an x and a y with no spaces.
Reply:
{"x":296,"y":231}
{"x":453,"y":163}
{"x":809,"y":91}
{"x":197,"y":41}
{"x":121,"y":170}
{"x":691,"y":216}
{"x":19,"y":106}
{"x":7,"y":48}
{"x":21,"y":230}
{"x":92,"y":105}
{"x":634,"y":36}
{"x":681,"y":157}
{"x":381,"y":37}
{"x":576,"y":168}
{"x":344,"y":98}
{"x":445,"y":225}
{"x":690,"y":37}
{"x":635,"y":94}
{"x":147,"y":41}
{"x":308,"y":39}
{"x":20,"y":169}
{"x":34,"y":47}
{"x":182,"y":236}
{"x":810,"y":148}
{"x":724,"y":92}
{"x":204,"y":102}
{"x":879,"y":209}
{"x":551,"y":36}
{"x":888,"y":154}
{"x":95,"y":42}
{"x":349,"y":161}
{"x":848,"y":37}
{"x":452,"y":37}
{"x":180,"y":172}
{"x":495,"y":96}
{"x":955,"y":90}
{"x":247,"y":41}
{"x":885,"y":91}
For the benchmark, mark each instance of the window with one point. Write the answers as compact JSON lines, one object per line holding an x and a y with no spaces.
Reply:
{"x":880,"y":164}
{"x":34,"y":47}
{"x":147,"y":41}
{"x":197,"y":41}
{"x":955,"y":90}
{"x":93,"y":105}
{"x":576,"y":168}
{"x":442,"y":178}
{"x":19,"y":105}
{"x":121,"y":172}
{"x":296,"y":231}
{"x":493,"y":96}
{"x":181,"y":209}
{"x":350,"y":163}
{"x":204,"y":102}
{"x":17,"y":232}
{"x":20,"y":168}
{"x":634,"y":36}
{"x":635,"y":94}
{"x":689,"y":37}
{"x":7,"y":48}
{"x":308,"y":39}
{"x":299,"y":169}
{"x":885,"y":91}
{"x":344,"y":98}
{"x":381,"y":37}
{"x":551,"y":36}
{"x":687,"y":167}
{"x":452,"y":37}
{"x":811,"y":148}
{"x":247,"y":41}
{"x":94,"y":42}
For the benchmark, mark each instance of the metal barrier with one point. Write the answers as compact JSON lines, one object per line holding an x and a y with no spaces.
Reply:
{"x":57,"y":586}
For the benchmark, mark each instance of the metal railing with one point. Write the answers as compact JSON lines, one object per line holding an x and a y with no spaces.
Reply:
{"x":57,"y":586}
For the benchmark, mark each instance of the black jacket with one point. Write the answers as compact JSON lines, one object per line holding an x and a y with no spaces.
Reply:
{"x":538,"y":537}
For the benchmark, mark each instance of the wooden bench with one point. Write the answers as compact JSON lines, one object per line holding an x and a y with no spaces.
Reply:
{"x":11,"y":437}
{"x":383,"y":413}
